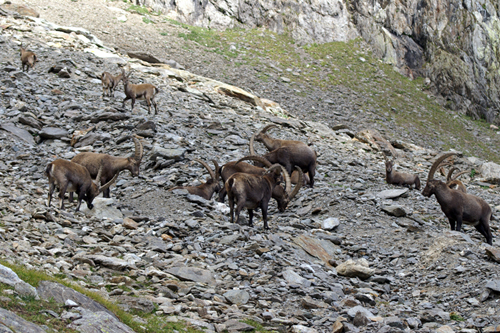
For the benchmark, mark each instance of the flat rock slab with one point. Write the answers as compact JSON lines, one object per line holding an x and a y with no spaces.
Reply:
{"x":192,"y":274}
{"x":48,"y":290}
{"x":357,"y":268}
{"x":493,"y":253}
{"x":493,"y":285}
{"x":53,"y":133}
{"x":330,"y":223}
{"x":111,"y":262}
{"x":18,"y":132}
{"x":237,"y":297}
{"x":234,"y":325}
{"x":136,"y":303}
{"x":168,"y":153}
{"x":93,"y":322}
{"x":10,"y":322}
{"x":319,"y":248}
{"x":391,"y":194}
{"x":395,"y":210}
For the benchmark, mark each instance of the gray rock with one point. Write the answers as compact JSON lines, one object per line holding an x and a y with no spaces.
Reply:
{"x":493,"y":285}
{"x":168,"y":153}
{"x":395,"y":210}
{"x":234,"y":325}
{"x":413,"y":322}
{"x":330,"y":223}
{"x":490,"y":172}
{"x":48,"y":290}
{"x":352,"y":312}
{"x":98,"y":321}
{"x":357,"y":268}
{"x":360,"y":319}
{"x":110,"y":262}
{"x":394,"y":322}
{"x":293,"y":278}
{"x":10,"y":322}
{"x":26,"y":289}
{"x":8,"y":276}
{"x":303,"y":329}
{"x":237,"y":297}
{"x":18,"y":132}
{"x":392,"y":194}
{"x":192,"y":274}
{"x":136,"y":303}
{"x":53,"y":133}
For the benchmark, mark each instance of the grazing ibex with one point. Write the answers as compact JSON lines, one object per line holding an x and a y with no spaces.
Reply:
{"x":302,"y":150}
{"x":458,"y":206}
{"x":28,"y":59}
{"x":72,"y":177}
{"x":139,"y":91}
{"x":253,"y":191}
{"x":111,"y":165}
{"x":109,"y":83}
{"x":282,"y":197}
{"x":207,"y":189}
{"x":399,"y":178}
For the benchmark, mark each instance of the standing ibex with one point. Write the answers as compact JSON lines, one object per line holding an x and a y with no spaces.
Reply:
{"x":28,"y":59}
{"x":282,"y":197}
{"x":399,"y":178}
{"x":253,"y":191}
{"x":109,"y":83}
{"x":207,"y":189}
{"x":111,"y":165}
{"x":458,"y":206}
{"x":72,"y":177}
{"x":139,"y":91}
{"x":302,"y":150}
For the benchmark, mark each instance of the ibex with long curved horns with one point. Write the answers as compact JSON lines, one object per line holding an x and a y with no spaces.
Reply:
{"x":458,"y":206}
{"x":207,"y":189}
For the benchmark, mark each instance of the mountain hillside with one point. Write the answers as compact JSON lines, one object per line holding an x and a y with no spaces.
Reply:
{"x":352,"y":254}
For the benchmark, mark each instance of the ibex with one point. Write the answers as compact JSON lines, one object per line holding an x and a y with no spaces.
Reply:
{"x":280,"y":194}
{"x":207,"y":189}
{"x":28,"y":59}
{"x":109,"y":83}
{"x":399,"y":178}
{"x":139,"y":91}
{"x":458,"y":206}
{"x":453,"y":182}
{"x":253,"y":191}
{"x":302,"y":150}
{"x":111,"y":165}
{"x":69,"y":176}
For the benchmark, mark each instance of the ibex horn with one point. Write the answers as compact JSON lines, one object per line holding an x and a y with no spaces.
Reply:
{"x":138,"y":149}
{"x":260,"y":159}
{"x":210,"y":171}
{"x":299,"y":184}
{"x":108,"y":184}
{"x":436,"y":164}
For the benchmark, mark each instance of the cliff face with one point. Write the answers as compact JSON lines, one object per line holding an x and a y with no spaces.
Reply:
{"x":455,"y":44}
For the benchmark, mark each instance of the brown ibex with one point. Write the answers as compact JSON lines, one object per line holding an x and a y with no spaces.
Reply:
{"x":273,"y":144}
{"x":453,"y":182}
{"x":139,"y":91}
{"x":109,"y":83}
{"x":72,"y":177}
{"x":111,"y":165}
{"x":253,"y":191}
{"x":28,"y":59}
{"x":399,"y":178}
{"x":458,"y":206}
{"x":207,"y":189}
{"x":280,"y":194}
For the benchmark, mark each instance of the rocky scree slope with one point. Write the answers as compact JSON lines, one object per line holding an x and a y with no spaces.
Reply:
{"x":153,"y":250}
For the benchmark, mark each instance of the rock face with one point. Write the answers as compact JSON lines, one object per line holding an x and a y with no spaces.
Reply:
{"x":310,"y":20}
{"x":457,"y":42}
{"x":456,"y":39}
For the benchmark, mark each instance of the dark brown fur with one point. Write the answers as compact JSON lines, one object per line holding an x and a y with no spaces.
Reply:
{"x":111,"y":165}
{"x":399,"y":178}
{"x":69,"y":176}
{"x":207,"y":189}
{"x":251,"y":192}
{"x":28,"y":59}
{"x":458,"y":206}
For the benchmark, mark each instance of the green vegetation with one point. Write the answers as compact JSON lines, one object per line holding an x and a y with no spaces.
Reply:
{"x":142,"y":10}
{"x":146,"y":20}
{"x":456,"y":317}
{"x":258,"y":327}
{"x":29,"y":308}
{"x":386,"y":93}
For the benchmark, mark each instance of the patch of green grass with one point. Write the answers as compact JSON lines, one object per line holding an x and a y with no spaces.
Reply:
{"x":33,"y":277}
{"x":456,"y":317}
{"x":146,"y":20}
{"x":164,"y":33}
{"x":142,"y":10}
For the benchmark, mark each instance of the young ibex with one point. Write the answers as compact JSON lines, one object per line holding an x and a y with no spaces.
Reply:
{"x":253,"y":191}
{"x":282,"y":196}
{"x":299,"y":147}
{"x":207,"y":189}
{"x":458,"y":206}
{"x":111,"y":165}
{"x":28,"y":59}
{"x":72,"y":177}
{"x":109,"y":83}
{"x":399,"y":178}
{"x":139,"y":91}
